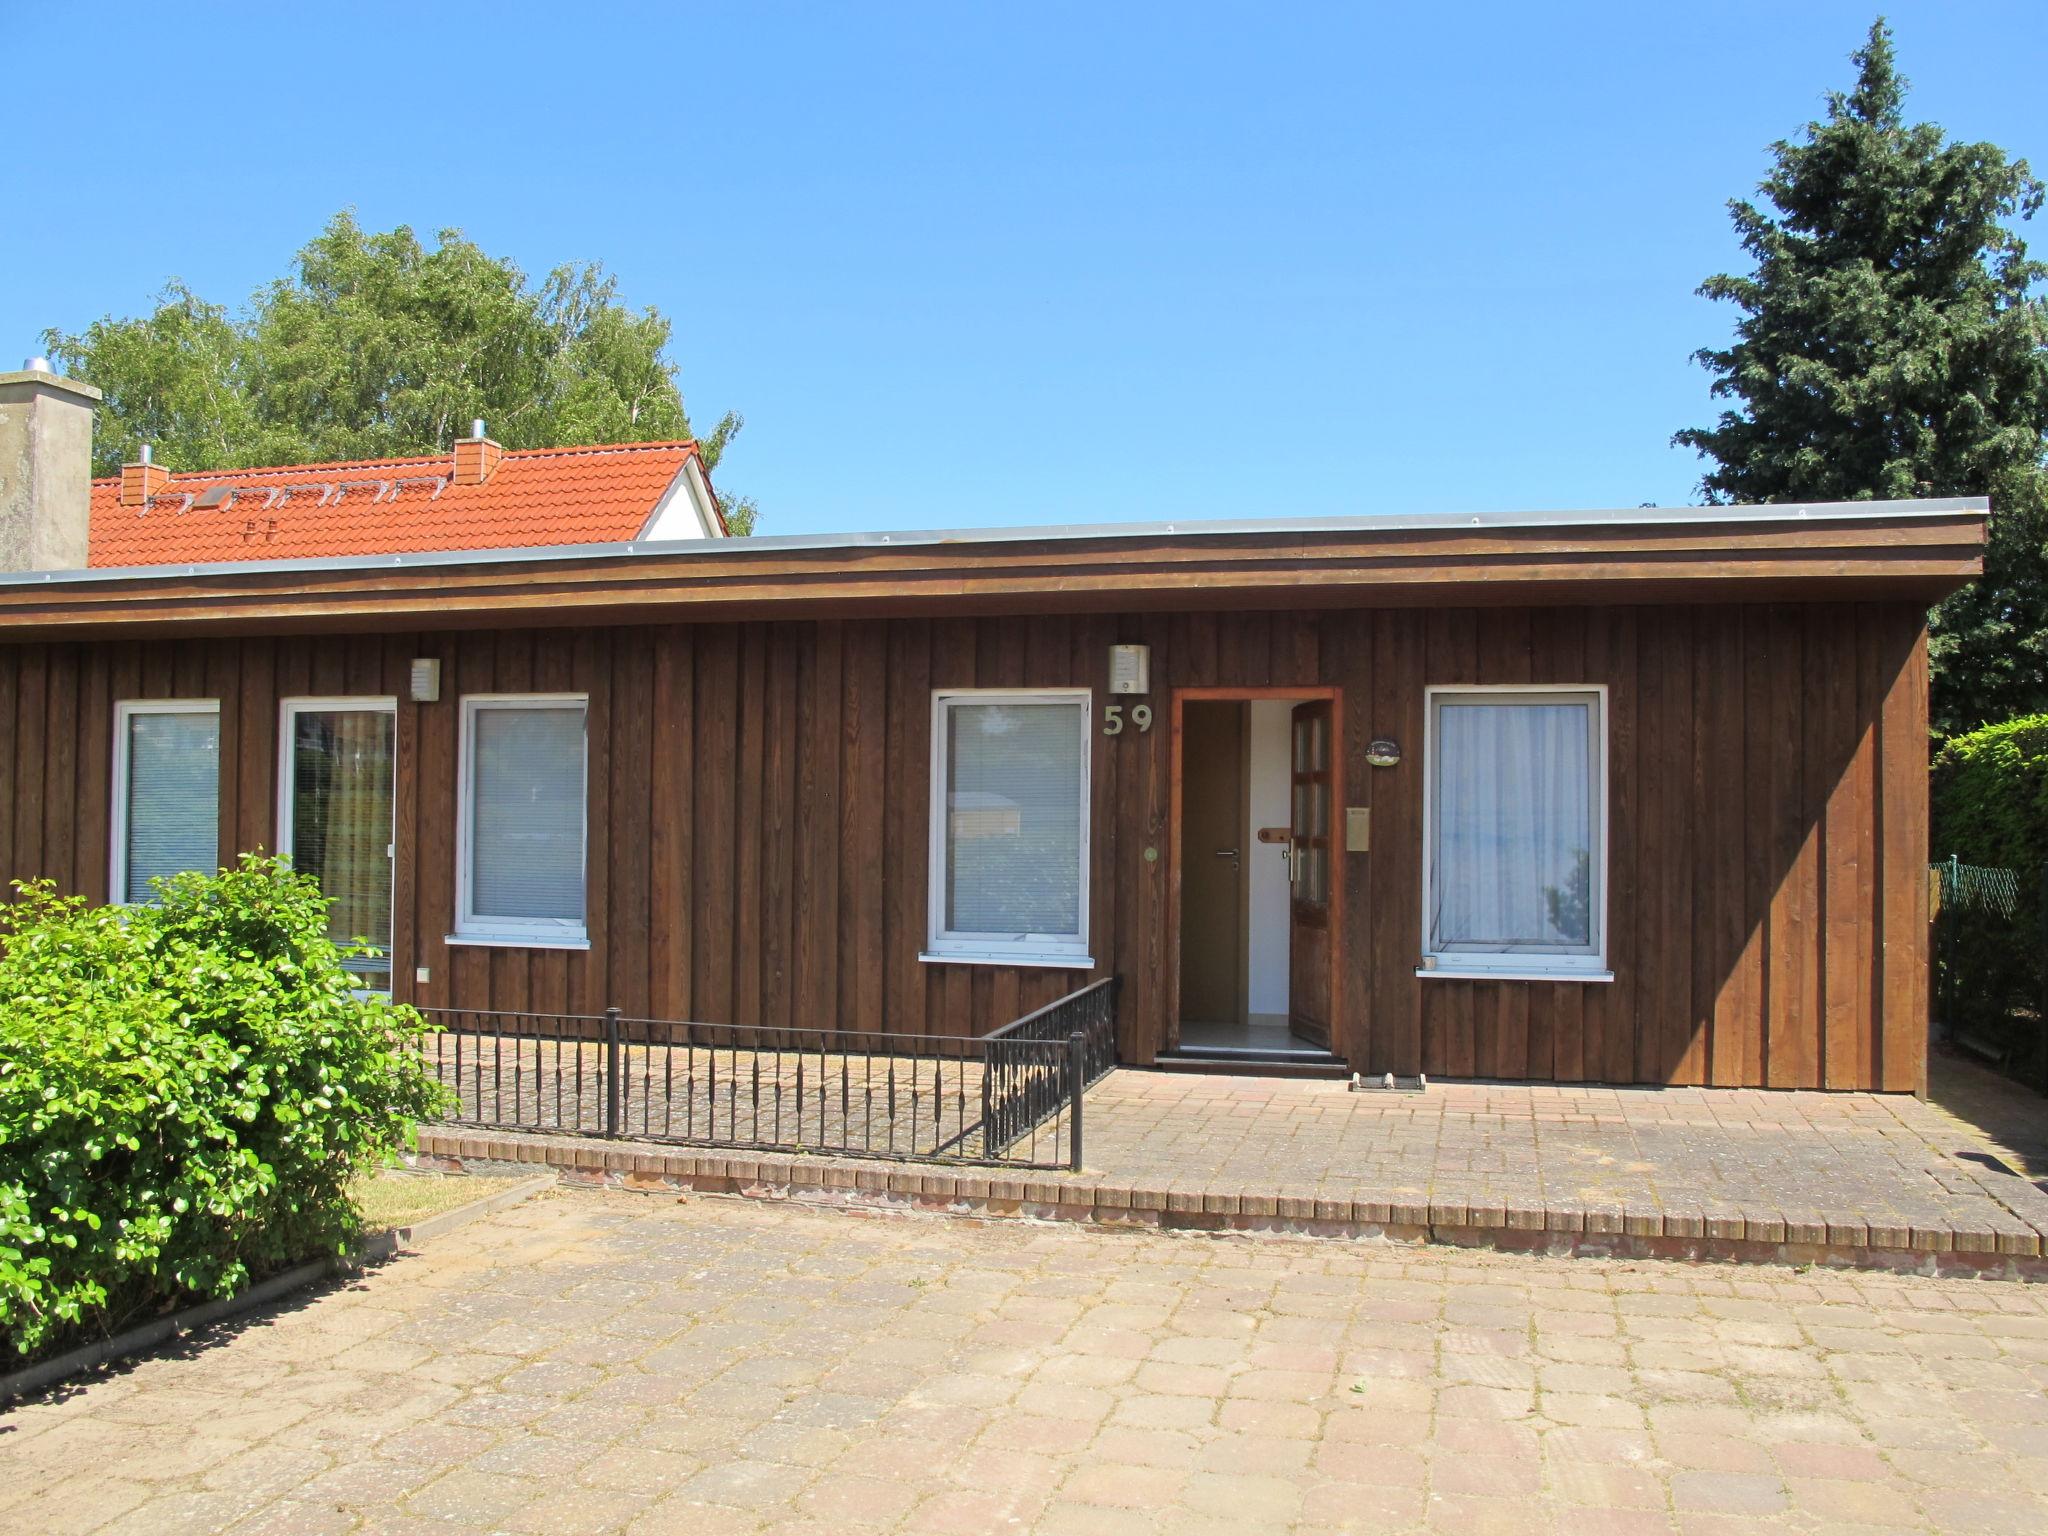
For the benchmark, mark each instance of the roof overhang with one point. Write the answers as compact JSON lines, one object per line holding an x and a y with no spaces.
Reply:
{"x":1848,"y":551}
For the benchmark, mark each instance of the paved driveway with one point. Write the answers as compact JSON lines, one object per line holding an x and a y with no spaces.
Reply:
{"x":599,"y":1361}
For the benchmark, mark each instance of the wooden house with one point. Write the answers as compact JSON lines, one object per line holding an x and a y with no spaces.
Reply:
{"x":1628,"y":797}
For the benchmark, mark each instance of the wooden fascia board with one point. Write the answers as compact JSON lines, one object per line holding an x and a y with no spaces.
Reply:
{"x":1920,"y":557}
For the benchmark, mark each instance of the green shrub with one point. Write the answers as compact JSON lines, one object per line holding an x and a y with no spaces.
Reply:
{"x":185,"y":1092}
{"x":1989,"y":793}
{"x":1990,"y":796}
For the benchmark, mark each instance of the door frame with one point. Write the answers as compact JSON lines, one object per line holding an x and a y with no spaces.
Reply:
{"x":297,"y":704}
{"x":1302,"y":694}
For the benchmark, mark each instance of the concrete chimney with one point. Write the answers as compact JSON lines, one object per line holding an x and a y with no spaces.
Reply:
{"x":45,"y":469}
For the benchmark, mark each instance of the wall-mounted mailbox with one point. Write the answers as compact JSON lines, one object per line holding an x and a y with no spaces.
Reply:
{"x":1130,"y":669}
{"x":1357,"y":828}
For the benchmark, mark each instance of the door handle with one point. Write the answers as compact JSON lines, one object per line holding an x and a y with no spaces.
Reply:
{"x":1226,"y":853}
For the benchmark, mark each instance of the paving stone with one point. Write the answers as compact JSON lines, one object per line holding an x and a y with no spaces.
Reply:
{"x":819,"y":1373}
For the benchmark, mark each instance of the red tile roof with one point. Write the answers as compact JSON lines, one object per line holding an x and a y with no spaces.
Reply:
{"x":595,"y":495}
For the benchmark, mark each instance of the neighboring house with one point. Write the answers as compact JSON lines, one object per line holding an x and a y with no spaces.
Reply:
{"x":1633,"y":796}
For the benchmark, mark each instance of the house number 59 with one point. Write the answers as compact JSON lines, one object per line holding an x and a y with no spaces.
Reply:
{"x":1113,"y":718}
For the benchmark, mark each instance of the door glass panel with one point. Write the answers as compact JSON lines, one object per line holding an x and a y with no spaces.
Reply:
{"x":1311,"y":824}
{"x":341,"y":827}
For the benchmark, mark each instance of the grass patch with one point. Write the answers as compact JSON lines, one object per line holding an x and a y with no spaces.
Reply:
{"x":392,"y":1198}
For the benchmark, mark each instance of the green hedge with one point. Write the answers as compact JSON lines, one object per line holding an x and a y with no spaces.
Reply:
{"x":186,"y":1091}
{"x":1990,"y":807}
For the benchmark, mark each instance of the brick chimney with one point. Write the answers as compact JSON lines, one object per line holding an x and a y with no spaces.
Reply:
{"x":45,"y":469}
{"x":142,"y":480}
{"x":475,"y":456}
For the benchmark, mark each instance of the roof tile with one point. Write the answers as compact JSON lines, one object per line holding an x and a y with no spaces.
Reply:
{"x":536,"y":496}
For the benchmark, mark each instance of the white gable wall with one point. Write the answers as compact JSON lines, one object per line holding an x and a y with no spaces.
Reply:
{"x":685,"y":510}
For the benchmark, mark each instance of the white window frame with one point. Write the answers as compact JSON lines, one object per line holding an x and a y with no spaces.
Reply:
{"x":516,"y":933}
{"x":124,"y":711}
{"x":1068,"y":951}
{"x":288,"y":711}
{"x":1528,"y":963}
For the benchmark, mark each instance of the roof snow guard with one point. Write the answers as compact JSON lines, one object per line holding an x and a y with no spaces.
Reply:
{"x":533,"y":498}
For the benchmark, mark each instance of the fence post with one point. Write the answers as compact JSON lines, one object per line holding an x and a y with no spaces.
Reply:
{"x":1951,"y":888}
{"x":2041,"y":972}
{"x":1077,"y":1085}
{"x":611,"y":1071}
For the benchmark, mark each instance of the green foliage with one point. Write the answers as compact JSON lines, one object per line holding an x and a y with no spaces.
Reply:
{"x":1989,"y":793}
{"x":377,"y":346}
{"x":1990,"y":796}
{"x":186,"y":1091}
{"x":1893,"y":343}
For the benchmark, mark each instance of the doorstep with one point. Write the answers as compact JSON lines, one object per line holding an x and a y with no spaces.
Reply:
{"x":2001,"y":1246}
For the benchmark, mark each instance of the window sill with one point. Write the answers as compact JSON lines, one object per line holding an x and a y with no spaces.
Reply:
{"x":1032,"y":959}
{"x":506,"y":941}
{"x":1529,"y":973}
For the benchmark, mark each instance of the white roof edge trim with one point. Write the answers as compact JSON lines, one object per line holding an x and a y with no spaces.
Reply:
{"x":1195,"y":528}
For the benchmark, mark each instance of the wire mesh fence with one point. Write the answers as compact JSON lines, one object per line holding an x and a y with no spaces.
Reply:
{"x":1991,"y":963}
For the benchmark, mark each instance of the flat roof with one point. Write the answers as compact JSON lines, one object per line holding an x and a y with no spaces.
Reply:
{"x":1194,"y":529}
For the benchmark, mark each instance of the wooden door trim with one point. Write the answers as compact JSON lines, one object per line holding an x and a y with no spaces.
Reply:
{"x":1303,"y":694}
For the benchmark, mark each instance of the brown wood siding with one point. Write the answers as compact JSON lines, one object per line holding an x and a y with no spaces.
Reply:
{"x":759,"y":819}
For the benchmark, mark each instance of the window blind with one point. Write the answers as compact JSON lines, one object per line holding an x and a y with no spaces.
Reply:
{"x":526,"y":812}
{"x":173,"y":807}
{"x":1013,"y":824}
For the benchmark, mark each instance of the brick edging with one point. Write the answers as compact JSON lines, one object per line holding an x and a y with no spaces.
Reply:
{"x":1593,"y":1232}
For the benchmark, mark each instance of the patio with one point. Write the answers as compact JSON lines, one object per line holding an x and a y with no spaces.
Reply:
{"x":1873,"y":1180}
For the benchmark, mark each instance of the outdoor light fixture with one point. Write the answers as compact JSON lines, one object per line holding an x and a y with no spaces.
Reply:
{"x":426,"y":679}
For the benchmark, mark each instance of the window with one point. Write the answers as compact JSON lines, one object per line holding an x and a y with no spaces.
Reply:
{"x":340,"y":758}
{"x":1514,"y":878}
{"x":519,"y":863}
{"x":166,"y":794}
{"x":1009,"y":841}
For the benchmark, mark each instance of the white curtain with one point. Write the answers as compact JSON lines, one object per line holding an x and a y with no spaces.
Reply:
{"x":1013,"y":818}
{"x":527,"y":813}
{"x":1513,"y":825}
{"x":173,"y":810}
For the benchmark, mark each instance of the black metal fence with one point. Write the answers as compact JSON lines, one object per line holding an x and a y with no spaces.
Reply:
{"x":1012,"y":1097}
{"x":1045,"y":1060}
{"x":1991,"y":964}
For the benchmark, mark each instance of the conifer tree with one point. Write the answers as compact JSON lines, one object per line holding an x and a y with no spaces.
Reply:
{"x":1893,"y":343}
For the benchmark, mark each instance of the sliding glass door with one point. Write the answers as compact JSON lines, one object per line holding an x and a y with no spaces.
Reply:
{"x":340,"y":760}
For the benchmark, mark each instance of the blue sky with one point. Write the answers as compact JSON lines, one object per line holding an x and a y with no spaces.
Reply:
{"x":968,"y":265}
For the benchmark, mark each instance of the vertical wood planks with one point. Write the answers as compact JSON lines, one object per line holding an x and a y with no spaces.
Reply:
{"x":670,"y":826}
{"x":1846,"y":796}
{"x":629,"y":851}
{"x":759,"y":819}
{"x":819,"y":775}
{"x":1793,"y":1018}
{"x":777,"y":825}
{"x":1900,"y":682}
{"x":715,"y":838}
